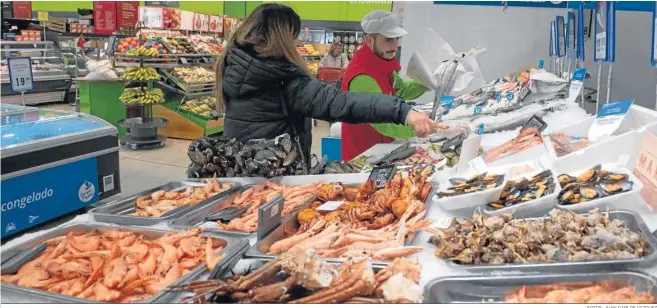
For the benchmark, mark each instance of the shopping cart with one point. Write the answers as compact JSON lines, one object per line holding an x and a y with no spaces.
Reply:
{"x":329,"y":76}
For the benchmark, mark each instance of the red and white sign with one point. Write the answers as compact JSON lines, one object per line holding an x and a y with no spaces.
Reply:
{"x":172,"y":18}
{"x":22,"y":9}
{"x":216,"y":24}
{"x":151,"y":17}
{"x":201,"y":22}
{"x":127,"y":13}
{"x":104,"y":17}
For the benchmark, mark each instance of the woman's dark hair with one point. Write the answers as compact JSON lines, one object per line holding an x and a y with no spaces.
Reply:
{"x":271,"y":29}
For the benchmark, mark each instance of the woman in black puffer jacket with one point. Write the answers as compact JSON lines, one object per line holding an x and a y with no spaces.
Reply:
{"x":265,"y":89}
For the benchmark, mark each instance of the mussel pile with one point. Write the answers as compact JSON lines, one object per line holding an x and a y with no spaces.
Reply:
{"x":225,"y":157}
{"x":563,"y":237}
{"x":523,"y":189}
{"x":478,"y":182}
{"x":594,"y":183}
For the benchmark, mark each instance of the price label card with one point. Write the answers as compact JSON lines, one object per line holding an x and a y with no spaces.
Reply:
{"x":509,"y":96}
{"x":480,"y":129}
{"x":184,"y":60}
{"x":330,"y":206}
{"x":535,"y":122}
{"x":381,"y":175}
{"x":453,"y":142}
{"x":42,"y":16}
{"x":540,"y":64}
{"x":478,"y":109}
{"x":441,"y":222}
{"x":601,"y":45}
{"x":269,"y":216}
{"x":20,"y":73}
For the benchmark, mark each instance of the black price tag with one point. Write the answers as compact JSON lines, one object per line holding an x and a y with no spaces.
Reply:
{"x":269,"y":216}
{"x":453,"y":142}
{"x":184,"y":61}
{"x":535,"y":122}
{"x":206,"y":60}
{"x":215,"y":114}
{"x":381,"y":175}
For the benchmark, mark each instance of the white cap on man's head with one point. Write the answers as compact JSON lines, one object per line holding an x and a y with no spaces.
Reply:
{"x":382,"y":22}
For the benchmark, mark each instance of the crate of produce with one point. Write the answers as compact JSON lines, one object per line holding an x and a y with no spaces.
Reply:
{"x":192,"y":80}
{"x":161,"y":203}
{"x":35,"y":271}
{"x":201,"y":107}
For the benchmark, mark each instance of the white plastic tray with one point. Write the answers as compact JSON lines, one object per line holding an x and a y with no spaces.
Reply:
{"x":532,"y":208}
{"x":471,"y":200}
{"x":617,"y":201}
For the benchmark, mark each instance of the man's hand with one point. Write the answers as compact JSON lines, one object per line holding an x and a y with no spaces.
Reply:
{"x":422,"y":124}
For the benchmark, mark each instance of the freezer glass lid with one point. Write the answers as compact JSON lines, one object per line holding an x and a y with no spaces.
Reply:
{"x":13,"y":135}
{"x":10,"y":107}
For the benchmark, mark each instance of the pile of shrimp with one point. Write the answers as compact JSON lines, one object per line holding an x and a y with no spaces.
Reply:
{"x":115,"y":266}
{"x":161,"y":202}
{"x":254,"y":197}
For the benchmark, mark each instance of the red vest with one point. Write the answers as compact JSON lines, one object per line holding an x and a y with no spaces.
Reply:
{"x":357,"y":138}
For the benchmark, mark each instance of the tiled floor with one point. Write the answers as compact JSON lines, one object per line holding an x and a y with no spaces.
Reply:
{"x":142,"y":170}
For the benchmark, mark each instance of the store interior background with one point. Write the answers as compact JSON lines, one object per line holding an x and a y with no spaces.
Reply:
{"x":514,"y":38}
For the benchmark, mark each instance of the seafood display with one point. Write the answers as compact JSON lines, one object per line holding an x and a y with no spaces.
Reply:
{"x":230,"y":158}
{"x":594,"y":183}
{"x":202,"y":106}
{"x":369,"y":222}
{"x":115,"y":266}
{"x":563,"y":237}
{"x":607,"y":292}
{"x":452,"y":155}
{"x":336,"y":167}
{"x":476,"y":183}
{"x":194,"y":75}
{"x":256,"y":196}
{"x":420,"y":156}
{"x":564,"y":144}
{"x":299,"y":277}
{"x":161,"y":202}
{"x":526,"y":139}
{"x":523,"y":190}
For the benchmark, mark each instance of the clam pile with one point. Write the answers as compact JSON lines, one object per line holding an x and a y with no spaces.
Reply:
{"x":523,"y":189}
{"x":594,"y":183}
{"x":226,"y":157}
{"x":478,"y":182}
{"x":452,"y":155}
{"x":563,"y":237}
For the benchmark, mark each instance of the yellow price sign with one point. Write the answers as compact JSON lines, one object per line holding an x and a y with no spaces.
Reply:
{"x":42,"y":16}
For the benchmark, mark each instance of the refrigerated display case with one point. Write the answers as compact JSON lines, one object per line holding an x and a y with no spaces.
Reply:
{"x":56,"y":165}
{"x":51,"y":81}
{"x":14,"y":114}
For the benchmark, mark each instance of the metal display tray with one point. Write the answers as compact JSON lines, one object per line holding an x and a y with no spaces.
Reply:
{"x":196,"y":218}
{"x":232,"y":246}
{"x":633,"y":222}
{"x":261,"y":248}
{"x":118,"y":212}
{"x":492,"y":289}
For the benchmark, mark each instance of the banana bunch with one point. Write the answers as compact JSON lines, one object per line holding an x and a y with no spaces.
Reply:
{"x":140,"y":73}
{"x":143,"y":51}
{"x":136,"y":96}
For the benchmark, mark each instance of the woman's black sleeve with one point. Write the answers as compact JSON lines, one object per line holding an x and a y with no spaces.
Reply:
{"x":317,"y":100}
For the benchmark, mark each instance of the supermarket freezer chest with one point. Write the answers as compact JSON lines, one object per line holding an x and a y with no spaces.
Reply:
{"x":55,"y":166}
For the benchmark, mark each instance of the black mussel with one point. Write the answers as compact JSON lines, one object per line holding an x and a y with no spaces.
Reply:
{"x":565,"y":196}
{"x":565,"y":179}
{"x":250,"y":165}
{"x":614,"y":177}
{"x":265,"y":155}
{"x":521,"y":184}
{"x":589,"y":175}
{"x":290,"y":158}
{"x":541,"y":177}
{"x":458,"y":181}
{"x":446,"y":193}
{"x":614,"y":188}
{"x":496,"y":205}
{"x":205,"y":142}
{"x":263,"y":163}
{"x":230,"y":172}
{"x":286,"y":145}
{"x":540,"y":191}
{"x":475,"y":178}
{"x":277,"y":152}
{"x":590,"y":192}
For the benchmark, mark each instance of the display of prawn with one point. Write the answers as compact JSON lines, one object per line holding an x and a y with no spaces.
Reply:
{"x":371,"y":223}
{"x":254,"y":197}
{"x":526,"y":139}
{"x":299,"y":277}
{"x":563,"y":237}
{"x":116,"y":266}
{"x":420,"y":157}
{"x":161,"y":201}
{"x":606,"y":292}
